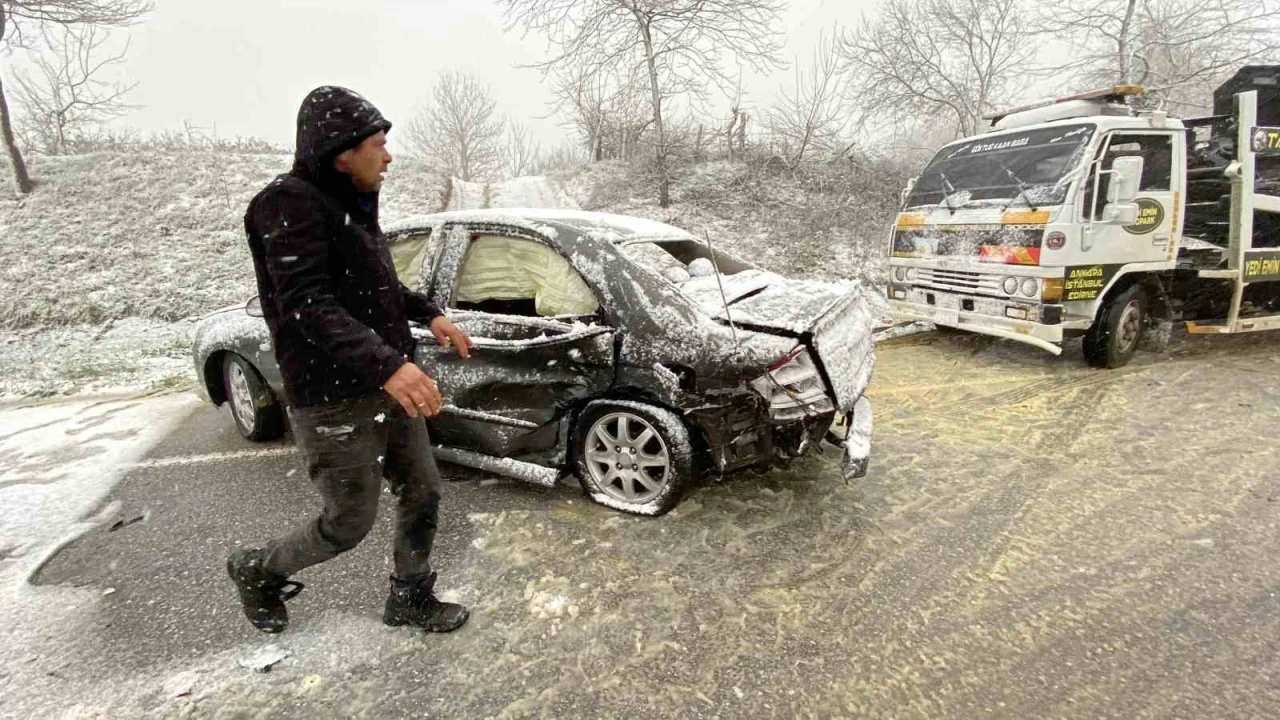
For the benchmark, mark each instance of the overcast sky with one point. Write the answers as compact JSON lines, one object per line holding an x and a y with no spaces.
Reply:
{"x":246,"y":64}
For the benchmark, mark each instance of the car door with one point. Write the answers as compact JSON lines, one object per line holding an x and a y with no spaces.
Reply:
{"x":526,"y":369}
{"x":1152,"y":237}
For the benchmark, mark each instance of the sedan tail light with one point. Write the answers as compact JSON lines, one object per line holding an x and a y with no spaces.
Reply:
{"x":793,"y":388}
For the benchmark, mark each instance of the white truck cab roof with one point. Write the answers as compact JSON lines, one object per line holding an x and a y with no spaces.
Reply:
{"x":1103,"y":108}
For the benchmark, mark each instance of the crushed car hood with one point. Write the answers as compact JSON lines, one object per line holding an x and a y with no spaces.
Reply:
{"x":766,"y":300}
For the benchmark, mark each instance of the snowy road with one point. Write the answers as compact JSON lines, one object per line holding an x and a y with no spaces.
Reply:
{"x":1035,"y":539}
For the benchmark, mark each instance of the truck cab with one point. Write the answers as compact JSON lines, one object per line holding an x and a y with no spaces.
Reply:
{"x":1065,"y":220}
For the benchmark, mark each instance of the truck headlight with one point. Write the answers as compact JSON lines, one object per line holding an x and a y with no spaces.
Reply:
{"x":912,"y":275}
{"x":1030,"y":287}
{"x":1010,"y":285}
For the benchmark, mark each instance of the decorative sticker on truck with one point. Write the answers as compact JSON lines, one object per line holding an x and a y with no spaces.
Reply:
{"x":1262,"y":266}
{"x":995,"y":243}
{"x":1266,"y":140}
{"x":1086,"y":282}
{"x":1010,"y":255}
{"x":1150,"y":216}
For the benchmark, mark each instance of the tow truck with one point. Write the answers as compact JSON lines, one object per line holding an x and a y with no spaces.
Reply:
{"x":1085,"y":216}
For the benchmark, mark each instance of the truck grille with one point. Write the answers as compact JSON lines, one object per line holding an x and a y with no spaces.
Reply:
{"x":971,"y":283}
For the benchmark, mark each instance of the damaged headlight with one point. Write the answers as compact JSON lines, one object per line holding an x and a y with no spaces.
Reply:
{"x":793,"y":388}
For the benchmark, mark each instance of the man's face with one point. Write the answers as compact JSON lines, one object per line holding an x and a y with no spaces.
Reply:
{"x":366,"y":163}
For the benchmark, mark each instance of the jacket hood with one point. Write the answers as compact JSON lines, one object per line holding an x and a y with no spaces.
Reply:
{"x":333,"y":119}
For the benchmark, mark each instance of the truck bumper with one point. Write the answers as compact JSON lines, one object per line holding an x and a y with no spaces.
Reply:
{"x":1045,"y":337}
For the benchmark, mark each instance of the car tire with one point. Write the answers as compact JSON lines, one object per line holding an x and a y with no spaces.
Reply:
{"x":254,"y":408}
{"x":1117,"y":332}
{"x":653,"y":440}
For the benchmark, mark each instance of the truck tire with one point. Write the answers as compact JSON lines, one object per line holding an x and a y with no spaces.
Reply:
{"x":1117,"y":331}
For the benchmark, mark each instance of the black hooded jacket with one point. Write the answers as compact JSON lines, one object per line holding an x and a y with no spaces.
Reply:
{"x":339,"y":316}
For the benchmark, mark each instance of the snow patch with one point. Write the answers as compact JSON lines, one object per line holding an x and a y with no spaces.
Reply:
{"x":264,"y":658}
{"x":62,"y":460}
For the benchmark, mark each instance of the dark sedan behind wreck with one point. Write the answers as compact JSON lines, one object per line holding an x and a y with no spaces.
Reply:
{"x":606,"y":346}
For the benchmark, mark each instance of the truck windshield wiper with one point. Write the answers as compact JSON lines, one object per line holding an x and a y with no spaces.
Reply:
{"x":1022,"y":188}
{"x":951,"y":190}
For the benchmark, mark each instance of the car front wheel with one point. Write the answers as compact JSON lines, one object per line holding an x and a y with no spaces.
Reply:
{"x":633,"y":457}
{"x":254,"y":407}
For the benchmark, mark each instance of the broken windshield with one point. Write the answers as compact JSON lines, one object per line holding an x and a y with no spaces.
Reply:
{"x":1032,"y":167}
{"x":677,"y":259}
{"x":688,"y":265}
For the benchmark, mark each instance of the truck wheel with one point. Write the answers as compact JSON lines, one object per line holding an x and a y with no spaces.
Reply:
{"x":1117,"y":331}
{"x":633,"y":457}
{"x":254,"y":407}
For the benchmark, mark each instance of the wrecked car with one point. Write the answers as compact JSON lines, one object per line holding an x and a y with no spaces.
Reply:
{"x":625,"y":351}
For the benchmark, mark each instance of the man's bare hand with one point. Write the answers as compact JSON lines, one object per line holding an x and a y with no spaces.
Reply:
{"x":448,"y":335}
{"x":415,"y":391}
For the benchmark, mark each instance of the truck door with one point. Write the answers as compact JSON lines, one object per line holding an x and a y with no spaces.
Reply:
{"x":1153,"y":236}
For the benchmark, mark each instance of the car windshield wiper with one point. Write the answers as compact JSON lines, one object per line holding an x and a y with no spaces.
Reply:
{"x":1022,"y":188}
{"x":951,"y":190}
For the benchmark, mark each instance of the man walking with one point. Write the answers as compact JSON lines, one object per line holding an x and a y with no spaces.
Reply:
{"x":339,"y":320}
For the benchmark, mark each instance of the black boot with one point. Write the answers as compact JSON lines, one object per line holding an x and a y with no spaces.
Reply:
{"x":415,"y":603}
{"x":261,"y":593}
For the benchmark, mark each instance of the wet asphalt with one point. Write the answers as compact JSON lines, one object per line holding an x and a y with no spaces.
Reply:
{"x":1034,"y":539}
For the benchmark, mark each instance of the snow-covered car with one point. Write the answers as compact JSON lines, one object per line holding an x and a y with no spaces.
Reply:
{"x":626,"y":351}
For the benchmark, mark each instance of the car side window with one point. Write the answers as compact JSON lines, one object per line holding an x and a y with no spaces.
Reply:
{"x":410,"y":252}
{"x":515,"y":276}
{"x":1156,"y":151}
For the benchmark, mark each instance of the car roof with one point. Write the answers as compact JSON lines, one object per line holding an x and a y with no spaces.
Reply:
{"x":597,"y":225}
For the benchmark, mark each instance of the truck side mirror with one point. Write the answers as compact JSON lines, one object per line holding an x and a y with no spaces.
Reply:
{"x":1126,"y":175}
{"x":906,"y":192}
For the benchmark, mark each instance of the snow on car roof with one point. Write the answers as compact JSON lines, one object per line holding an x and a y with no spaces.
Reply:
{"x":604,"y":226}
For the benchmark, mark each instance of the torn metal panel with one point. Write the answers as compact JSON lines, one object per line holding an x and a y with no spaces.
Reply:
{"x":529,"y":472}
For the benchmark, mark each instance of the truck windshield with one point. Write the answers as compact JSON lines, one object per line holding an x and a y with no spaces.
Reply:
{"x":1031,"y":167}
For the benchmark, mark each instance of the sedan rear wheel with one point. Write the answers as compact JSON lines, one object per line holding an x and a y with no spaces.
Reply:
{"x":633,"y":457}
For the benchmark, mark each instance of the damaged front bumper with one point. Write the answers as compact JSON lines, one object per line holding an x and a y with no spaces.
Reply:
{"x":741,"y":435}
{"x":857,"y":441}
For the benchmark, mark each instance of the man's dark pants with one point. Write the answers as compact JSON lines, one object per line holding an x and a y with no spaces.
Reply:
{"x":348,"y":446}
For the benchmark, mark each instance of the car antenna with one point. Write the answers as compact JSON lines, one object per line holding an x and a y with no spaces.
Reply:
{"x":720,"y":283}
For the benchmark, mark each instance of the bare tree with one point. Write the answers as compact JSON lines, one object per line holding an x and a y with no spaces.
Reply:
{"x":565,"y":156}
{"x":23,"y":22}
{"x":67,"y":97}
{"x":737,"y":122}
{"x":949,"y":59}
{"x":458,"y":128}
{"x":677,"y":45}
{"x":812,"y":115}
{"x":609,"y":110}
{"x":584,"y":98}
{"x":1178,"y":49}
{"x":520,"y":155}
